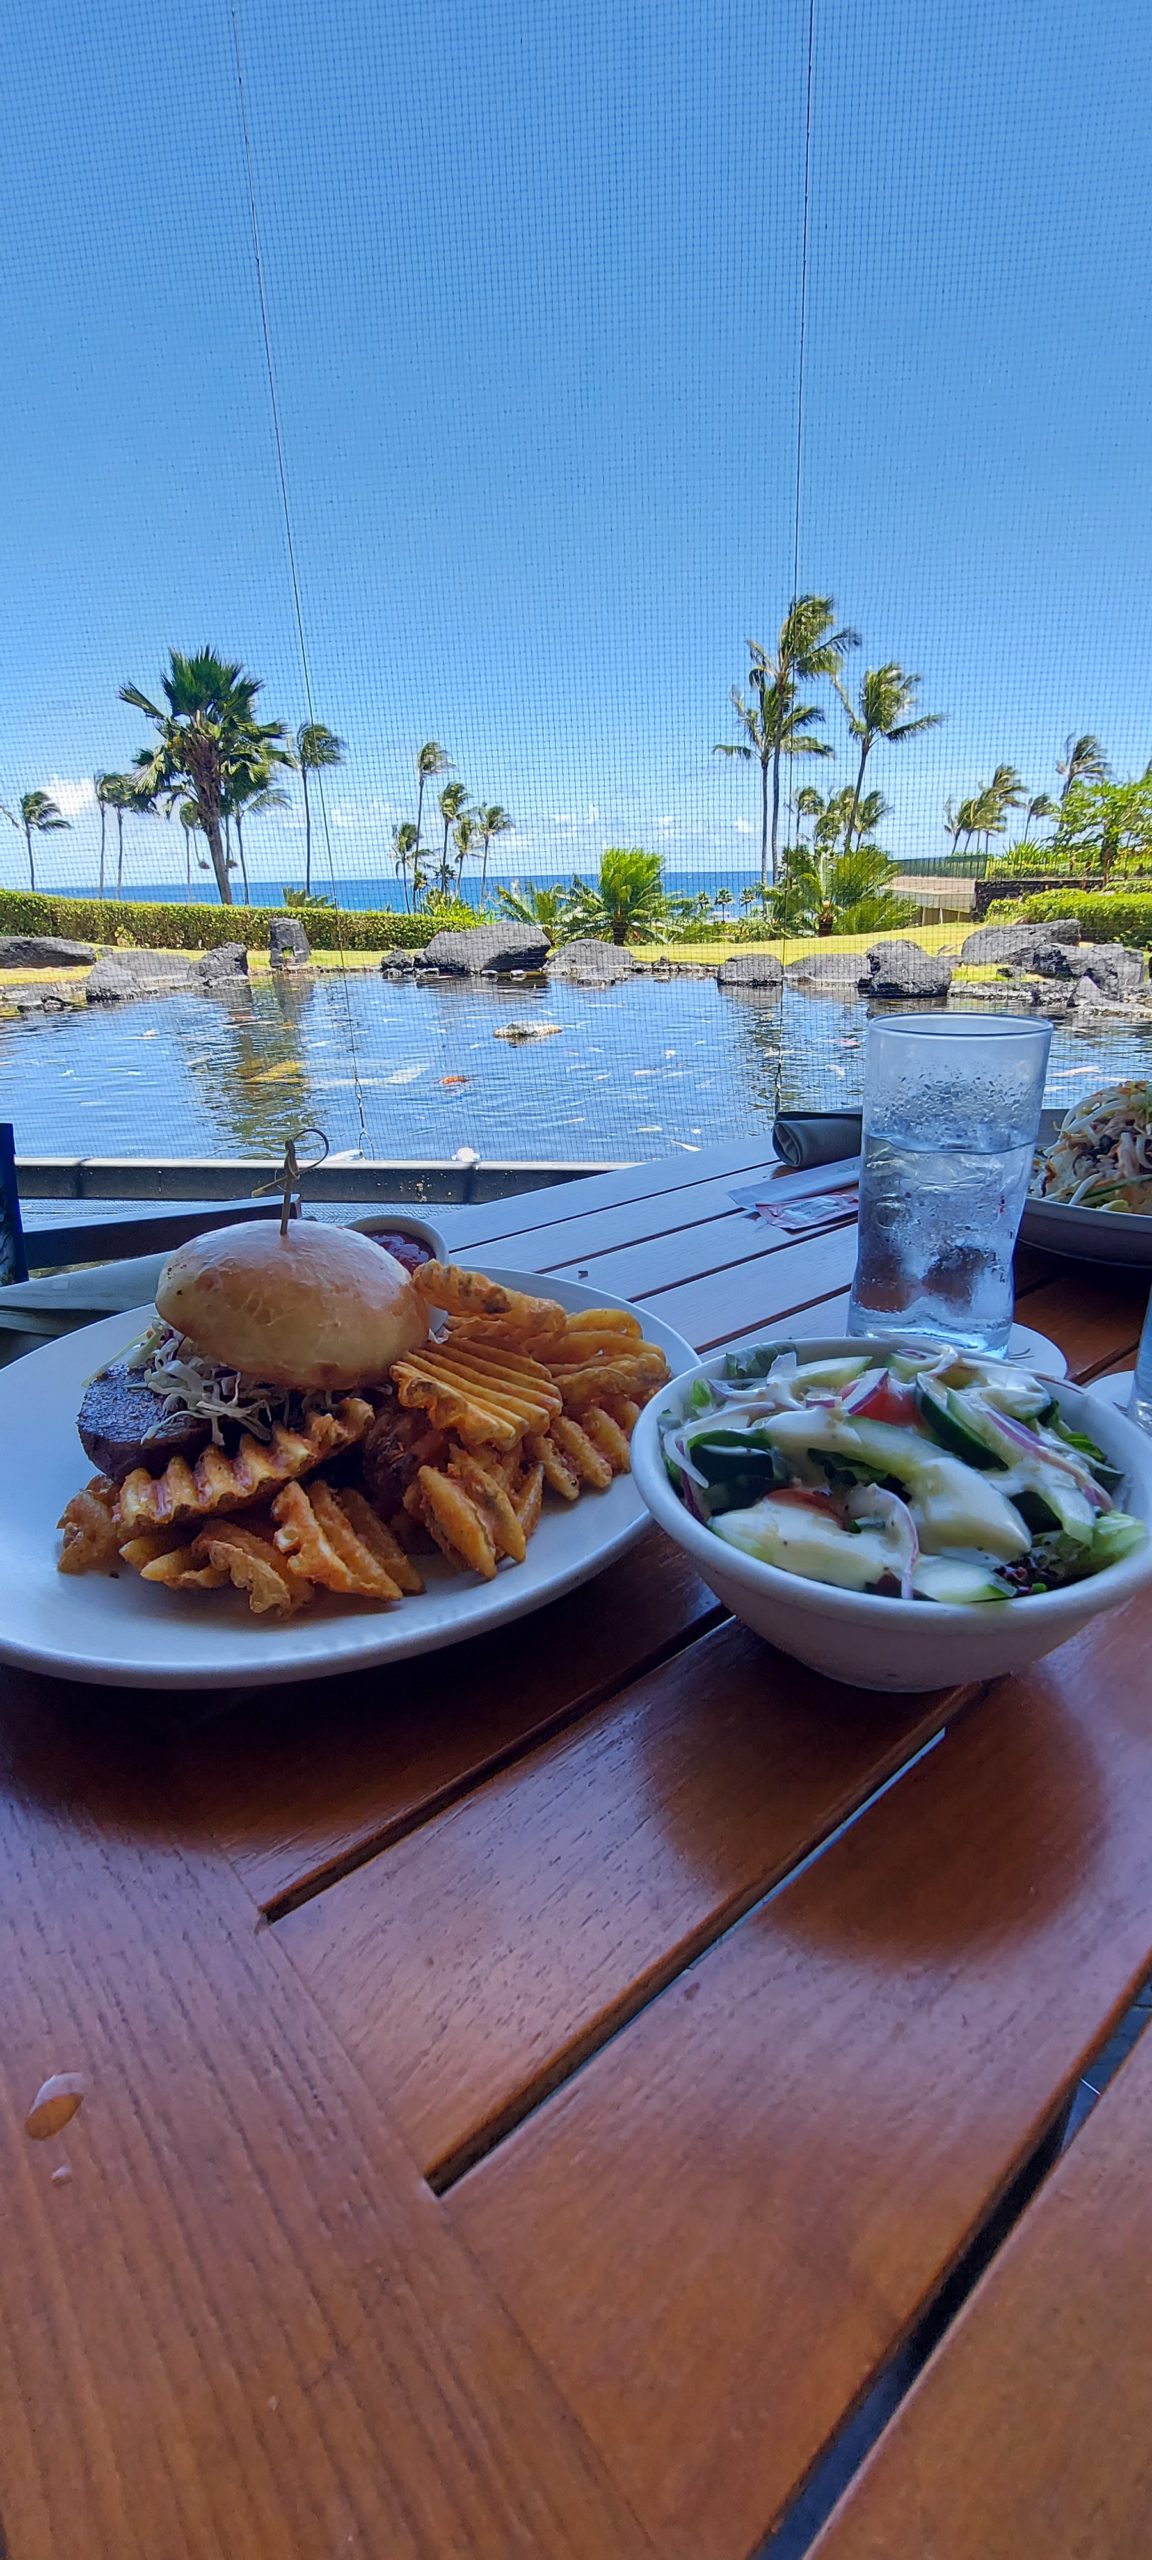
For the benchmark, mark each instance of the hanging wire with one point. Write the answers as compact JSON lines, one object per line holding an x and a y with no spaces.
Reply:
{"x":802,"y":355}
{"x":290,"y":546}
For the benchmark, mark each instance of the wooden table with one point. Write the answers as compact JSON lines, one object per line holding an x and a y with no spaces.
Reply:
{"x":533,"y":2096}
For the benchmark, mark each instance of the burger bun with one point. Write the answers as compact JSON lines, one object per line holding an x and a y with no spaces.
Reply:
{"x":318,"y":1307}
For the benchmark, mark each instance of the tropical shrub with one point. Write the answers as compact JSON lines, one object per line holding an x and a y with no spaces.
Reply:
{"x":1102,"y":915}
{"x":165,"y":926}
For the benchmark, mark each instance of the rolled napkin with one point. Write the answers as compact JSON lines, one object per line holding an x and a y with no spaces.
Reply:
{"x":803,"y":1138}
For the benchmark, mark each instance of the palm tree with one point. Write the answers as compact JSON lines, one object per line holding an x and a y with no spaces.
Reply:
{"x":628,"y":903}
{"x":773,"y":728}
{"x":464,"y":835}
{"x":453,"y":799}
{"x":883,"y":709}
{"x":100,"y":786}
{"x":988,"y":814}
{"x":494,"y":821}
{"x":723,"y":900}
{"x":316,"y":749}
{"x":406,"y":857}
{"x":1083,"y":760}
{"x":207,"y":728}
{"x":250,"y":795}
{"x":430,"y":760}
{"x":1039,"y":808}
{"x":120,"y":791}
{"x":807,"y":648}
{"x":39,"y":816}
{"x":190,"y":822}
{"x":551,"y":909}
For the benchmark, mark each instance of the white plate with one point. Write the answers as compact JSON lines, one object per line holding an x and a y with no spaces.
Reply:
{"x":1088,"y":1235}
{"x":89,"y":1627}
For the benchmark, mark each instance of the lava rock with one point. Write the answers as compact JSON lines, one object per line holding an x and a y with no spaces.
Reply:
{"x":751,"y":969}
{"x":837,"y":972}
{"x":487,"y":951}
{"x":1110,"y":966}
{"x":288,"y":944}
{"x":1014,"y":945}
{"x":900,"y":969}
{"x":229,"y":960}
{"x":43,"y":951}
{"x":122,"y":975}
{"x":517,"y":1031}
{"x":399,"y":964}
{"x":591,"y":963}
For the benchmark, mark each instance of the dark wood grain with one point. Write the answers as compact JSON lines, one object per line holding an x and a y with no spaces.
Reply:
{"x":663,"y":1178}
{"x":751,"y":2193}
{"x":300,"y":1783}
{"x":240,"y":2329}
{"x":475,"y":1962}
{"x":760,"y":1292}
{"x":1029,"y":2432}
{"x":571,"y":1237}
{"x":721,"y":1244}
{"x":1094,"y":1315}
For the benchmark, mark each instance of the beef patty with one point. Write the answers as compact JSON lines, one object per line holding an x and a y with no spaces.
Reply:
{"x":122,"y":1426}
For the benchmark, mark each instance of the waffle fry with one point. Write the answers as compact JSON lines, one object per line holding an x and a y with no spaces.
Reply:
{"x":636,"y":1374}
{"x":220,"y":1483}
{"x":468,"y":1293}
{"x":586,"y":1461}
{"x":559,"y":1476}
{"x":482,"y":1396}
{"x":91,"y":1538}
{"x":230,"y":1552}
{"x":453,"y":1521}
{"x":528,"y":1500}
{"x":493,"y":1502}
{"x":606,"y":1435}
{"x":315,"y":1532}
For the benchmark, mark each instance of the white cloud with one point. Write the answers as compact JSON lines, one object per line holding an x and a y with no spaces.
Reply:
{"x":743,"y":826}
{"x":591,"y":815}
{"x":565,"y":818}
{"x":665,"y":824}
{"x":73,"y":799}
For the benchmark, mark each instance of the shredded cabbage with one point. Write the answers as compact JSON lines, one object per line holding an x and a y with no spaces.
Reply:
{"x":170,"y":1366}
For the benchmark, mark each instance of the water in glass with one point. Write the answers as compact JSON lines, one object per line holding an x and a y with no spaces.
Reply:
{"x":950,"y":1121}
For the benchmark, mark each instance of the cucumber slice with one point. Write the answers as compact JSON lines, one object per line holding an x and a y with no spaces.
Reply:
{"x":1116,"y":1534}
{"x":953,"y":1424}
{"x":953,"y":1505}
{"x":808,"y":1542}
{"x":956,"y":1580}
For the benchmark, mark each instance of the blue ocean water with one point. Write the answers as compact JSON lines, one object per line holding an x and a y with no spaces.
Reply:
{"x":381,"y":892}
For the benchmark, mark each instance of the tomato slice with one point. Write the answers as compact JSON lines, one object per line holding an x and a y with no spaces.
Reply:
{"x":890,"y":1401}
{"x":805,"y":1497}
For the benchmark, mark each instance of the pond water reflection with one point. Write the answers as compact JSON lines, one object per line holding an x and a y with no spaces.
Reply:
{"x":637,"y":1070}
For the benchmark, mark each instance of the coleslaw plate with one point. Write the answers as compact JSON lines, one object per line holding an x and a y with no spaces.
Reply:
{"x":126,"y":1633}
{"x":1087,"y":1235}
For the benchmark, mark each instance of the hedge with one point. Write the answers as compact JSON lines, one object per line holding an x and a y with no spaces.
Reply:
{"x":164,"y":927}
{"x":1102,"y":915}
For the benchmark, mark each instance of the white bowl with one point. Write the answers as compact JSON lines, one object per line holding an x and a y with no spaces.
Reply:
{"x":873,"y":1643}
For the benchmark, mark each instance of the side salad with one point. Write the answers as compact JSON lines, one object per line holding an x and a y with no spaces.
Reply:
{"x":940,"y":1477}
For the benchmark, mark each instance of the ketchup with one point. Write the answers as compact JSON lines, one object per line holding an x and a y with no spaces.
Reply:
{"x":411,"y":1251}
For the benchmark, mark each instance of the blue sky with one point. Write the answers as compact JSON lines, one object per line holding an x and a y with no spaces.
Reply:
{"x":533,"y":275}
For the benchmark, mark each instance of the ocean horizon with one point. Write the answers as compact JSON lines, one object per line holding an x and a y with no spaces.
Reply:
{"x":362,"y":891}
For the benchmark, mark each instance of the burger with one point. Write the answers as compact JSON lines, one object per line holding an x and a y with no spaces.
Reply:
{"x":254,"y":1326}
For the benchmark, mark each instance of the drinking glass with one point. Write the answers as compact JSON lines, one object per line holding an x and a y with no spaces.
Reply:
{"x":1140,"y":1401}
{"x":951,"y":1113}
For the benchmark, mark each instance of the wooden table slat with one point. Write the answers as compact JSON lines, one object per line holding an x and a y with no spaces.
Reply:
{"x":1029,"y":2431}
{"x":241,"y":2326}
{"x":752,"y":2192}
{"x":298,"y":1784}
{"x":476,"y":1960}
{"x":483,"y":1229}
